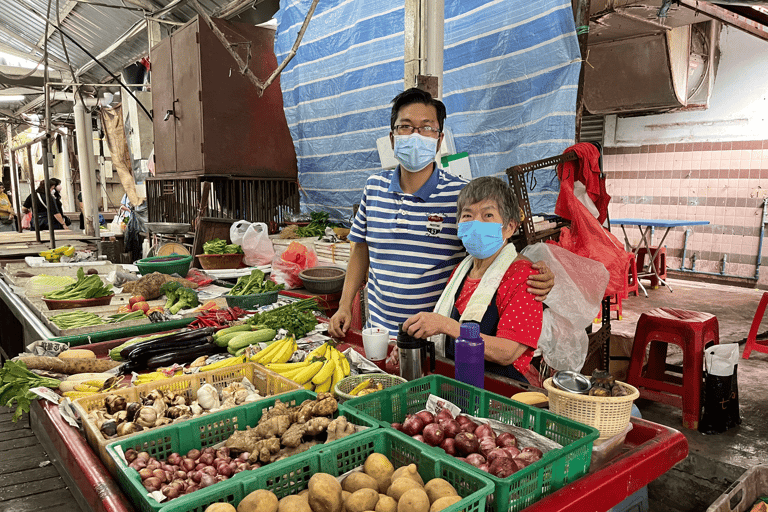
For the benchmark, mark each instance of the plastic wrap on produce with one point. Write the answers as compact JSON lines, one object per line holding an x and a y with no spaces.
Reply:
{"x":511,"y":72}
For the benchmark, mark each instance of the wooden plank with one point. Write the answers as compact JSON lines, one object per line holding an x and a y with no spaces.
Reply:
{"x":6,"y":416}
{"x":60,"y":500}
{"x":17,"y":434}
{"x":25,"y":458}
{"x":29,"y":475}
{"x":13,"y":444}
{"x":24,"y":489}
{"x":9,"y":426}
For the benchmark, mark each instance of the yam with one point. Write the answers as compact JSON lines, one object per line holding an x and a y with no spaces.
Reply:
{"x":220,"y":507}
{"x":362,"y":500}
{"x":293,"y":503}
{"x":359,"y":480}
{"x":408,"y":471}
{"x":401,"y":486}
{"x":414,"y":500}
{"x":386,"y":504}
{"x":381,"y":469}
{"x":444,"y":502}
{"x":324,"y":493}
{"x":439,"y":488}
{"x":259,"y":500}
{"x":69,"y":366}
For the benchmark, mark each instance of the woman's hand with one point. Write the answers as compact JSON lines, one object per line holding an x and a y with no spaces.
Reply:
{"x":541,"y":284}
{"x":423,"y":325}
{"x":339,"y":323}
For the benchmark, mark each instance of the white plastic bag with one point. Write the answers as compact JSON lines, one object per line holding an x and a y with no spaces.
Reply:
{"x":237,"y":231}
{"x":257,"y":246}
{"x":573,"y":302}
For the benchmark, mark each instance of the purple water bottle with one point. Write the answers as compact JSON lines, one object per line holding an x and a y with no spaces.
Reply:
{"x":470,"y":355}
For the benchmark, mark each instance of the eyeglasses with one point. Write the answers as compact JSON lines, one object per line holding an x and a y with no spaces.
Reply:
{"x":427,"y":131}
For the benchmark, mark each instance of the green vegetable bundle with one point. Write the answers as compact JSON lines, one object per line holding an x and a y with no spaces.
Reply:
{"x":316,"y":227}
{"x":219,"y":246}
{"x":297,"y":317}
{"x":86,"y":287}
{"x":254,"y":283}
{"x":76,"y":319}
{"x":15,"y":383}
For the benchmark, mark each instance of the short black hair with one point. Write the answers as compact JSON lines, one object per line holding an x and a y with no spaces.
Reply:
{"x":414,"y":95}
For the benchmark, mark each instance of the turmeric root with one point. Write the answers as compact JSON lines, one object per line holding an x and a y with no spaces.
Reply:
{"x":339,"y":428}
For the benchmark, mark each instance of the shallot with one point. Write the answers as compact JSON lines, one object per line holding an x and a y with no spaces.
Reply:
{"x":207,"y":481}
{"x":193,"y":454}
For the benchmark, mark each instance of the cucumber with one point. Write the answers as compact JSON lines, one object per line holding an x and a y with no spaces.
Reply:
{"x":223,"y":341}
{"x":228,"y":330}
{"x":251,"y":338}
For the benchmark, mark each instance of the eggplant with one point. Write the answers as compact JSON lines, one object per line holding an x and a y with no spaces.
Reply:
{"x":183,"y":355}
{"x":170,"y":342}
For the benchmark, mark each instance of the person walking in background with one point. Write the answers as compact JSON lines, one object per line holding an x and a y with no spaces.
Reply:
{"x":7,"y":215}
{"x":39,"y":196}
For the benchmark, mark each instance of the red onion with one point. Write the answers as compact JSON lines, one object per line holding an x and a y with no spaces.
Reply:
{"x":451,"y":428}
{"x":243,"y":457}
{"x":174,"y":459}
{"x":152,"y":484}
{"x":145,"y":473}
{"x":462,"y":419}
{"x":521,"y":463}
{"x":206,"y":458}
{"x":130,"y":455}
{"x":426,"y":417}
{"x":449,"y":445}
{"x":413,"y":425}
{"x":199,"y":466}
{"x":484,"y":467}
{"x":188,"y":464}
{"x":512,"y":451}
{"x":210,"y":450}
{"x":209,"y":470}
{"x":433,"y":434}
{"x":476,"y":459}
{"x":197,"y":476}
{"x":506,"y":439}
{"x":217,"y":461}
{"x":495,"y":454}
{"x":486,"y":445}
{"x":143,"y":456}
{"x":466,"y":443}
{"x":191,"y":489}
{"x":397,"y":426}
{"x":419,"y":438}
{"x":224,"y":469}
{"x":207,"y":481}
{"x":444,"y":414}
{"x":220,"y":478}
{"x":469,"y":426}
{"x":193,"y":454}
{"x":502,"y":467}
{"x":532,"y":449}
{"x":485,"y":431}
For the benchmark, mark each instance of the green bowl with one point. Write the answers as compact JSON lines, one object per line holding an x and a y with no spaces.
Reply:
{"x":171,"y":264}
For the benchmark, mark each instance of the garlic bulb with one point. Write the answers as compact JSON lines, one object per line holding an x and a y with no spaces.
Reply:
{"x":208,"y":397}
{"x":146,"y":417}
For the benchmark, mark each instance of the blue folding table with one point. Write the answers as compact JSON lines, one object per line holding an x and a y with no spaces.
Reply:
{"x":645,"y":226}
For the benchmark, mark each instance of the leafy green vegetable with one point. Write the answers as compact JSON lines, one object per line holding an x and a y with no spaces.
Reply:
{"x":15,"y":383}
{"x":186,"y":298}
{"x":316,"y":227}
{"x":86,"y":287}
{"x":233,"y":249}
{"x":297,"y":317}
{"x":219,"y":246}
{"x":254,"y":283}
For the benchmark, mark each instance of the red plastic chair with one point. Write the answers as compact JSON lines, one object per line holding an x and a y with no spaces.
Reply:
{"x":660,"y":262}
{"x":692,"y":331}
{"x":752,"y":341}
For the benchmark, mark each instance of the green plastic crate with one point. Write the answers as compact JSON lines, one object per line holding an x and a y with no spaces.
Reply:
{"x":525,"y":487}
{"x":291,"y":475}
{"x":202,"y":432}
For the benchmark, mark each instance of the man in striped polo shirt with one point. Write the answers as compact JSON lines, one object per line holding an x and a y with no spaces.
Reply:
{"x":405,"y":231}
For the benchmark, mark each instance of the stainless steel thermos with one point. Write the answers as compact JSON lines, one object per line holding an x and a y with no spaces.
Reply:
{"x":413,"y":355}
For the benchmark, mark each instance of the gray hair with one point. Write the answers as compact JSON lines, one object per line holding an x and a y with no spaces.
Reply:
{"x":495,"y":189}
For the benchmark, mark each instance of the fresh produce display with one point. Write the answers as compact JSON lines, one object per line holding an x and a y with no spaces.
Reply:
{"x":283,"y":431}
{"x":178,"y":297}
{"x":15,"y":383}
{"x":378,"y":487}
{"x":321,"y":369}
{"x":217,"y":318}
{"x":148,"y":286}
{"x":316,"y":227}
{"x":219,"y":246}
{"x":118,"y":417}
{"x":68,"y":366}
{"x":54,"y":255}
{"x":366,"y":388}
{"x":254,"y":283}
{"x":180,"y":347}
{"x":296,"y":318}
{"x":124,"y":317}
{"x":43,"y":283}
{"x":239,"y":339}
{"x":89,"y":287}
{"x":475,"y":444}
{"x":277,"y":352}
{"x":76,"y":319}
{"x":84,"y":384}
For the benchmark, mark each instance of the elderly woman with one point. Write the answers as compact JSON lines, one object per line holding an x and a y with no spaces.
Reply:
{"x":489,"y":287}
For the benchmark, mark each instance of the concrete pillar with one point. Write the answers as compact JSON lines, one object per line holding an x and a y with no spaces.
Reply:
{"x":87,"y":173}
{"x":69,"y":190}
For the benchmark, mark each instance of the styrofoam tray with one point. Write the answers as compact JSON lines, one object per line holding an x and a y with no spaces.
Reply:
{"x":39,"y":261}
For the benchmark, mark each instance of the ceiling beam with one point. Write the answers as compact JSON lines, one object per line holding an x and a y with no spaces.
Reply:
{"x":729,"y":18}
{"x":63,"y":13}
{"x":234,"y":7}
{"x":53,"y":62}
{"x":135,"y":30}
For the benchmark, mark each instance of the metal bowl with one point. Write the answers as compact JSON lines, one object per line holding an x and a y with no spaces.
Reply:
{"x":167,"y":228}
{"x":572,"y":382}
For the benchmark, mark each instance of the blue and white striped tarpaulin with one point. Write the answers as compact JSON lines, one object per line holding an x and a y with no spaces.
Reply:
{"x":511,"y":71}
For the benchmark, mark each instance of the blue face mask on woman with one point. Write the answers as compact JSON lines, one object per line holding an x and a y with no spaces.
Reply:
{"x":415,"y":151}
{"x":481,"y":239}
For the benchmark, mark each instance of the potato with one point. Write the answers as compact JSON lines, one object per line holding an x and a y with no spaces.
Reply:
{"x":359,"y":480}
{"x":400,"y":486}
{"x":324,"y":493}
{"x":409,"y":471}
{"x":293,"y":503}
{"x":220,"y":507}
{"x":439,"y":488}
{"x":304,"y":493}
{"x":414,"y":500}
{"x":386,"y":504}
{"x":362,"y":500}
{"x":259,"y":500}
{"x":444,"y":502}
{"x":379,"y":467}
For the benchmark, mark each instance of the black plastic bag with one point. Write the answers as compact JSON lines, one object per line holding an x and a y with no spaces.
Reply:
{"x":721,"y":392}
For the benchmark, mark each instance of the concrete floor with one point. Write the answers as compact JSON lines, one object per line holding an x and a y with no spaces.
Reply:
{"x":714,"y":461}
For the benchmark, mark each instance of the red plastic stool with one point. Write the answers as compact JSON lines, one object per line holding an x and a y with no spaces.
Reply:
{"x":752,"y":341}
{"x":660,"y":262}
{"x":692,"y":331}
{"x":632,"y":276}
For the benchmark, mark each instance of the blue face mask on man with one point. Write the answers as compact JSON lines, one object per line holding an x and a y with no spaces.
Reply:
{"x":415,"y":151}
{"x":481,"y":239}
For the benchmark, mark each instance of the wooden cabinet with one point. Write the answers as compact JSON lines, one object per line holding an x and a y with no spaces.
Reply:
{"x":208,"y":118}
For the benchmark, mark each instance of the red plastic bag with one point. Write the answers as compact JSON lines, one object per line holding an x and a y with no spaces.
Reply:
{"x":286,"y":267}
{"x":26,"y":221}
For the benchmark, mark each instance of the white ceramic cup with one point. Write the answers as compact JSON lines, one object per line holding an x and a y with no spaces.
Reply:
{"x":375,"y":341}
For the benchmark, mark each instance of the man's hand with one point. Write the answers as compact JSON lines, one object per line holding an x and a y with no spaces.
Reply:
{"x":339,"y":323}
{"x":423,"y":325}
{"x":541,"y":284}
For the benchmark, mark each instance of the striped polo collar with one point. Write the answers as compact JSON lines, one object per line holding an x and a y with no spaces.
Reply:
{"x":424,"y":192}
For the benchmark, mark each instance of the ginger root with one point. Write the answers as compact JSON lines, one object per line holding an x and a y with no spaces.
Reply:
{"x":339,"y":428}
{"x":264,"y":450}
{"x":317,"y":425}
{"x":325,"y":405}
{"x":273,"y":427}
{"x":287,"y":452}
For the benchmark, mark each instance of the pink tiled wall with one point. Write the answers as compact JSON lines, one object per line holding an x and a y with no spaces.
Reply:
{"x":720,"y":182}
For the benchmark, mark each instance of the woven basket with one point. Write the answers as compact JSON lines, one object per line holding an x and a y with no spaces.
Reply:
{"x":608,"y":414}
{"x":344,"y":386}
{"x":323,"y":279}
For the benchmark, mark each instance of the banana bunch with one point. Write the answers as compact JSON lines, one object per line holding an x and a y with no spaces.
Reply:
{"x":54,"y":255}
{"x":278,"y":352}
{"x":143,"y":378}
{"x":320,"y":370}
{"x":366,"y":387}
